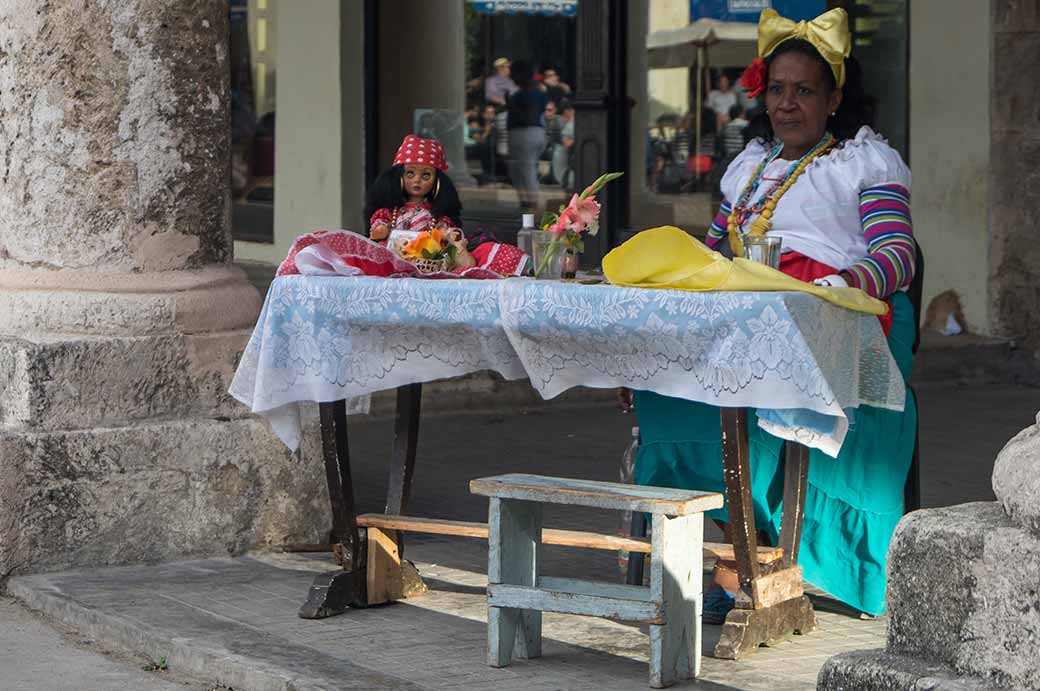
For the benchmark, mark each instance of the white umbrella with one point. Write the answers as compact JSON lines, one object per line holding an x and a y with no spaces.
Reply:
{"x":733,"y":44}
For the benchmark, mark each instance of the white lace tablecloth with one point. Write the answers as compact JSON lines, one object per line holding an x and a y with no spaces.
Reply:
{"x":801,"y":361}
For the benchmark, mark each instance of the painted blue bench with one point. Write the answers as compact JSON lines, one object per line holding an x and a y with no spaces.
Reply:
{"x":517,"y":594}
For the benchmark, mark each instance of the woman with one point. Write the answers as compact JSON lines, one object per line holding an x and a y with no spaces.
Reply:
{"x":526,"y":125}
{"x":818,"y":177}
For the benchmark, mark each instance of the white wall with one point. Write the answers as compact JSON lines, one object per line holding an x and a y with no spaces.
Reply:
{"x":319,"y":135}
{"x":668,"y":89}
{"x":950,"y":148}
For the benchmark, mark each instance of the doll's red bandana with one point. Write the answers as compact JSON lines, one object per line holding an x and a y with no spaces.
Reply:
{"x":423,"y":152}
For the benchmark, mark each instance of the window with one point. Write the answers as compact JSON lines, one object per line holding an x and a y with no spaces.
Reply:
{"x":252,"y":61}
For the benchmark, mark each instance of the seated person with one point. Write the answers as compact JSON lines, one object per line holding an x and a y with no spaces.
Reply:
{"x":816,"y":175}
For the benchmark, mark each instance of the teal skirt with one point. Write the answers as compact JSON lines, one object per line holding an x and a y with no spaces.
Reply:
{"x":852,"y":503}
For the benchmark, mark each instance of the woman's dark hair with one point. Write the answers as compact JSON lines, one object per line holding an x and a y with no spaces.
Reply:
{"x":855,"y":111}
{"x":386,"y":193}
{"x":522,"y":73}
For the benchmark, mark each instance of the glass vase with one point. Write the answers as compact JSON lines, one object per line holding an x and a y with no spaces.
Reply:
{"x":548,"y":254}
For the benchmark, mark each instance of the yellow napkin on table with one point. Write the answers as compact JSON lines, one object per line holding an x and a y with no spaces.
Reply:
{"x":668,"y":257}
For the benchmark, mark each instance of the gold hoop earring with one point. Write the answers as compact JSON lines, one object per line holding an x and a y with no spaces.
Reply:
{"x":402,"y":184}
{"x":437,"y":189}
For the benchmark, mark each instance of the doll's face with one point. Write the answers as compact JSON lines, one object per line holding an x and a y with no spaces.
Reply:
{"x":418,"y":181}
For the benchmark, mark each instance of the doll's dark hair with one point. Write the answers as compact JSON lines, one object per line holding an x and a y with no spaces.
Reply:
{"x":386,"y":193}
{"x":855,"y":111}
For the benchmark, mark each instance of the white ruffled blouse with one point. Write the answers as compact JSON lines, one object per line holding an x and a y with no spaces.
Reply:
{"x":819,"y":215}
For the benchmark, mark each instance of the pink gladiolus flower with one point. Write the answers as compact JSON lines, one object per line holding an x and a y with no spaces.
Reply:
{"x":570,"y":219}
{"x":579,"y":215}
{"x":588,"y":209}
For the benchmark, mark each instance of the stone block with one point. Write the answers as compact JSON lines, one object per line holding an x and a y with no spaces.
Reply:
{"x":155,"y":492}
{"x":964,"y":591}
{"x":47,"y":383}
{"x":876,"y":670}
{"x":1016,"y":478}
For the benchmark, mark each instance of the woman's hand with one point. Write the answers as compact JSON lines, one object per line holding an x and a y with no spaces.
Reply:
{"x":832,"y":281}
{"x":379,"y":232}
{"x":624,"y":400}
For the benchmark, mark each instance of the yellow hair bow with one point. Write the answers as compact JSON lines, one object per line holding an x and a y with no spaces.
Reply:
{"x":828,"y":33}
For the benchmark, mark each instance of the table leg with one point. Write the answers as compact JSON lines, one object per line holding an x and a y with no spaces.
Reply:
{"x":736,"y":465}
{"x":331,"y":593}
{"x":771,"y":606}
{"x":406,"y":438}
{"x":796,"y":476}
{"x":402,"y":456}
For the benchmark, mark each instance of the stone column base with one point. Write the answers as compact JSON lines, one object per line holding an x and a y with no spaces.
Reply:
{"x":964,"y":603}
{"x":876,"y":670}
{"x":154,"y":491}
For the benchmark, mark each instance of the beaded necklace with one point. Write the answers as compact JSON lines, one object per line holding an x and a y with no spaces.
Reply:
{"x":765,"y":206}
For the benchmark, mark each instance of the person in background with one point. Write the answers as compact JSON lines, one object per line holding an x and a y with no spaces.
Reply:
{"x":722,"y":98}
{"x":500,"y":138}
{"x":554,"y":88}
{"x":553,"y":124}
{"x":475,"y":86}
{"x":553,"y":130}
{"x":526,"y":124}
{"x":562,"y":168}
{"x":499,"y":86}
{"x":733,"y":134}
{"x":750,"y":105}
{"x":487,"y":143}
{"x":479,"y":138}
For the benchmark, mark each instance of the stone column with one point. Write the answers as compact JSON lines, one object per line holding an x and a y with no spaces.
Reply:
{"x":1015,"y":149}
{"x":121,"y":317}
{"x":432,"y":28}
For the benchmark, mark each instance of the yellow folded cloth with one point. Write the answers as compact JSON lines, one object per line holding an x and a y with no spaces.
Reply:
{"x":668,"y":257}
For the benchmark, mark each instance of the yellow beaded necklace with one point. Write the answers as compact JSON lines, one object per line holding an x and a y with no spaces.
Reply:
{"x":761,"y":225}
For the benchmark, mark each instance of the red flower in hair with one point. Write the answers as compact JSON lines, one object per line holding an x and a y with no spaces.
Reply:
{"x":754,"y":77}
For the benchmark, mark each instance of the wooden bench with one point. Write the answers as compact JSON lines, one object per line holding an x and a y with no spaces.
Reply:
{"x":518,"y":594}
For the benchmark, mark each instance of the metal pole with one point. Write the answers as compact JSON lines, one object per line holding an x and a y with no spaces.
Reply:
{"x":700,"y":106}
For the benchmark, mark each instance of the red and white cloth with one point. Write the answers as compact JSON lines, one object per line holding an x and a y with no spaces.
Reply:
{"x":343,"y":253}
{"x":424,"y":152}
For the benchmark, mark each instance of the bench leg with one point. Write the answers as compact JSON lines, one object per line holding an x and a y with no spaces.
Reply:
{"x":514,"y":543}
{"x":676,"y":579}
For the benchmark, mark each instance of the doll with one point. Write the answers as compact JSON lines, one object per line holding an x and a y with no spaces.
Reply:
{"x":417,"y":194}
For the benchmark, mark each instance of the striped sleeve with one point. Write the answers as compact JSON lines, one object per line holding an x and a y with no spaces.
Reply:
{"x":718,"y":231}
{"x":889,"y":265}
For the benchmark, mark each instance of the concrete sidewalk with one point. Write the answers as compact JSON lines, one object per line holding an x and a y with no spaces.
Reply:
{"x":37,"y":654}
{"x":234,"y":620}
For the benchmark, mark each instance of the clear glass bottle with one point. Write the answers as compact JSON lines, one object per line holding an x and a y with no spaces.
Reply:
{"x":525,"y":236}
